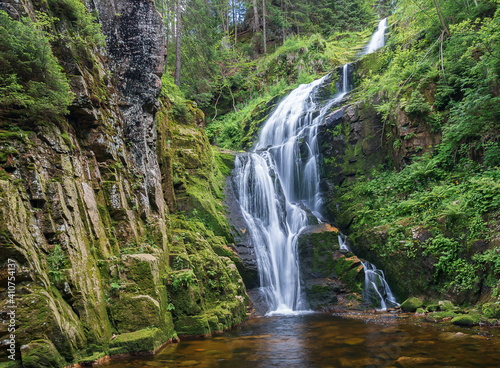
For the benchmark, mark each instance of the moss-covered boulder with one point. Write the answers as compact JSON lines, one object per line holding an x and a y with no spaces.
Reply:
{"x":446,"y":305}
{"x":466,"y":320}
{"x":439,"y":316}
{"x":316,"y":245}
{"x":327,"y":273}
{"x":491,"y":310}
{"x":420,"y":311}
{"x":433,"y":307}
{"x":145,"y":340}
{"x":41,"y":354}
{"x":411,"y":304}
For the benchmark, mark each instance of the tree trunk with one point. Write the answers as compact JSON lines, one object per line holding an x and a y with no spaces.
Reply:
{"x":256,"y":25}
{"x":264,"y":24}
{"x":234,"y":21}
{"x":284,"y":20}
{"x":227,"y":21}
{"x":177,"y":80}
{"x":167,"y":29}
{"x":441,"y":18}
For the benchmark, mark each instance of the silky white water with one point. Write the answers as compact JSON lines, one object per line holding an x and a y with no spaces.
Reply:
{"x":278,"y":189}
{"x":378,"y":38}
{"x":278,"y":184}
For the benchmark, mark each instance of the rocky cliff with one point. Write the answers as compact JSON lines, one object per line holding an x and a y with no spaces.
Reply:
{"x":89,"y":203}
{"x":427,"y":217}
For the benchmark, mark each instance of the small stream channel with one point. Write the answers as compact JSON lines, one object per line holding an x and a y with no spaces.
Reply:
{"x":324,"y":340}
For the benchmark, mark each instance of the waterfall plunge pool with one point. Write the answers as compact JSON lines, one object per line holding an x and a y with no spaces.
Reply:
{"x":323,"y":340}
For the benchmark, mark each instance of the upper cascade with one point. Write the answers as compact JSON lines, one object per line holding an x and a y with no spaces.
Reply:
{"x":378,"y":38}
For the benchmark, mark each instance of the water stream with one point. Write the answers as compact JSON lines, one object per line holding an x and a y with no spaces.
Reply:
{"x":278,"y":189}
{"x":322,"y":340}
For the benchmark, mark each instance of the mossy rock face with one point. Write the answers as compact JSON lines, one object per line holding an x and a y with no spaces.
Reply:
{"x":322,"y":294}
{"x":316,"y":245}
{"x":491,"y":310}
{"x":200,"y":172}
{"x":193,"y":325}
{"x":206,"y":290}
{"x":349,"y":270}
{"x":41,"y":354}
{"x":466,"y":320}
{"x":145,"y":340}
{"x":446,"y":305}
{"x":252,"y":126}
{"x":411,"y":304}
{"x":420,"y":311}
{"x":132,"y":312}
{"x":40,"y":315}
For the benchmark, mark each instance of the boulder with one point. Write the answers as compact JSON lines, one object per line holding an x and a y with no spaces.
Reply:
{"x":411,"y":304}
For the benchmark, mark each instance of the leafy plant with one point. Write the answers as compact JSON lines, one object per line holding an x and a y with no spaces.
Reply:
{"x":56,"y":262}
{"x":33,"y":85}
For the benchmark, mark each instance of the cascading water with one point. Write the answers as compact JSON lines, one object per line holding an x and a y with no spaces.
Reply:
{"x":377,"y":40}
{"x":376,"y":290}
{"x":277,"y":184}
{"x":278,"y":190}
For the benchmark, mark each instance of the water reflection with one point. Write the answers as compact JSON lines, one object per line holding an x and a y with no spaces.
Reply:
{"x":317,"y":340}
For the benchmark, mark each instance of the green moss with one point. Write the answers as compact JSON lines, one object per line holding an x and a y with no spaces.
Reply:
{"x":438,"y":316}
{"x":145,"y":340}
{"x":446,"y":305}
{"x":41,"y":354}
{"x":433,"y":307}
{"x":129,"y":313}
{"x":321,"y":295}
{"x":65,"y":136}
{"x":491,"y":310}
{"x":466,"y":320}
{"x":225,"y":162}
{"x":193,"y":325}
{"x":411,"y":304}
{"x":88,"y":360}
{"x":9,"y":364}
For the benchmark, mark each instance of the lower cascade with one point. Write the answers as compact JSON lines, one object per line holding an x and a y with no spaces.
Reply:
{"x":278,"y":189}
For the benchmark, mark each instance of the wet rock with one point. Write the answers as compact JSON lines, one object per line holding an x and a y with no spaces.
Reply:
{"x":420,"y":312}
{"x":466,"y":320}
{"x":441,"y":316}
{"x":411,"y":304}
{"x":407,"y":362}
{"x":316,"y":245}
{"x":354,"y":341}
{"x":136,"y":46}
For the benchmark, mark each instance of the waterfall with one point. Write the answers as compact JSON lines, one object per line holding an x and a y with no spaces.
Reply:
{"x":277,"y":185}
{"x":377,"y":40}
{"x":278,"y":189}
{"x":376,"y":290}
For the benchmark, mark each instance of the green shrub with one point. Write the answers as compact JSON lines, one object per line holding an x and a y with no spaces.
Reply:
{"x":32,"y":83}
{"x":417,"y":105}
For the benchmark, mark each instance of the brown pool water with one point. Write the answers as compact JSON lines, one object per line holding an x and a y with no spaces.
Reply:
{"x":322,"y":340}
